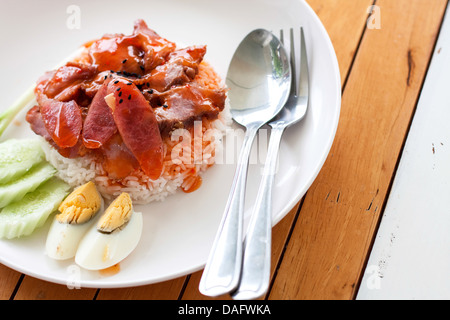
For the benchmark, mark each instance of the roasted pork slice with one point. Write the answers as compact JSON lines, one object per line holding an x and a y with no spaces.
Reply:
{"x":118,"y":54}
{"x":64,"y":83}
{"x":179,"y":107}
{"x":63,"y":121}
{"x":56,"y":94}
{"x":181,"y":68}
{"x":157,"y":47}
{"x":117,"y":159}
{"x":133,"y":55}
{"x":137,"y":125}
{"x":99,"y":125}
{"x":34,"y":117}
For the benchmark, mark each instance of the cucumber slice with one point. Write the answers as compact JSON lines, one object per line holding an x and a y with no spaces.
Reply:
{"x":17,"y":157}
{"x":21,"y":218}
{"x":15,"y":190}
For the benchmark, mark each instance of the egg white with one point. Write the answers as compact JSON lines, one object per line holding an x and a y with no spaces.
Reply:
{"x":99,"y":250}
{"x":63,"y":238}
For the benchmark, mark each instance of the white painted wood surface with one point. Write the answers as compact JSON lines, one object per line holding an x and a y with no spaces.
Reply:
{"x":411,"y":254}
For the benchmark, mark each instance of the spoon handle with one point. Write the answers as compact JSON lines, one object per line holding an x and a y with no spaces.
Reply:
{"x":255,"y":274}
{"x":222,"y":270}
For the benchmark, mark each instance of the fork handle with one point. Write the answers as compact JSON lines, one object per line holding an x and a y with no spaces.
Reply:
{"x":222,"y":270}
{"x":255,"y":274}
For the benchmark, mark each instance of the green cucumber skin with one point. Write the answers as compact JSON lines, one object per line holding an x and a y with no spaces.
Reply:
{"x":17,"y":157}
{"x":15,"y":190}
{"x":21,"y":218}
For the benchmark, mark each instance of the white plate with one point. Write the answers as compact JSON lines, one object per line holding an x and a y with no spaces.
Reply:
{"x":179,"y":232}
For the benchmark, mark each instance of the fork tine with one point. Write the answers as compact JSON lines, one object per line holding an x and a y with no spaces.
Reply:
{"x":300,"y":76}
{"x":303,"y":86}
{"x":291,"y":59}
{"x":293,"y":63}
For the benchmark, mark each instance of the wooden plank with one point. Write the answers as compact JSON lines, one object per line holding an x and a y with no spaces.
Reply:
{"x":341,"y":210}
{"x":344,"y":21}
{"x":35,"y":289}
{"x":409,"y":259}
{"x":168,"y":290}
{"x":8,"y":281}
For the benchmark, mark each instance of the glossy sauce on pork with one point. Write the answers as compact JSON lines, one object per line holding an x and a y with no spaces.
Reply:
{"x":121,"y":99}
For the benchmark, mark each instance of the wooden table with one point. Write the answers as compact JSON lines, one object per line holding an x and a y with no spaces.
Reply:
{"x":322,"y":247}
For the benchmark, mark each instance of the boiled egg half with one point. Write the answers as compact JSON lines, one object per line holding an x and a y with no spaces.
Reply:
{"x":69,"y":226}
{"x":113,"y":238}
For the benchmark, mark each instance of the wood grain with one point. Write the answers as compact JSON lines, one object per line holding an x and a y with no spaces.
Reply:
{"x":344,"y":21}
{"x":35,"y":289}
{"x":168,"y":290}
{"x":8,"y":281}
{"x":335,"y":229}
{"x":408,"y":260}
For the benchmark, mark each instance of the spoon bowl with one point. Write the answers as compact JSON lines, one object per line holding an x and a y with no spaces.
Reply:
{"x":259,"y":79}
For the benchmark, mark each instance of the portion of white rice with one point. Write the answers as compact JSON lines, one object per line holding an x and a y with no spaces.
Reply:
{"x":142,"y":190}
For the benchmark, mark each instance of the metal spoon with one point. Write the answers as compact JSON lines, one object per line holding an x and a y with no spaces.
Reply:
{"x":259,"y":79}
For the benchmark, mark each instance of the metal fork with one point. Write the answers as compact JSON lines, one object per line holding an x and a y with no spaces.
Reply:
{"x":255,"y":276}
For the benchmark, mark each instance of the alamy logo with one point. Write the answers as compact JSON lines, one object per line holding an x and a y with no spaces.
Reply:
{"x":374,"y":20}
{"x":74,"y":19}
{"x":373,"y":279}
{"x":73,"y":277}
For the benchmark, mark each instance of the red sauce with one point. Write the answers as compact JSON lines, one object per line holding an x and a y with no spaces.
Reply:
{"x":108,"y":272}
{"x":195,"y":185}
{"x":154,"y":92}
